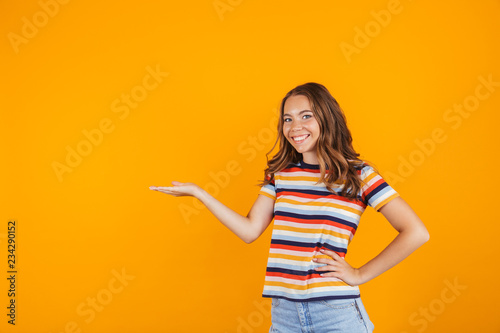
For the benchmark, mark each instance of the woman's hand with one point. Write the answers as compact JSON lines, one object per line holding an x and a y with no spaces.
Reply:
{"x":179,"y":189}
{"x":339,"y":268}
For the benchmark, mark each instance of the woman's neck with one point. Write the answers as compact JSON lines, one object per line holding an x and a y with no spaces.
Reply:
{"x":310,"y":159}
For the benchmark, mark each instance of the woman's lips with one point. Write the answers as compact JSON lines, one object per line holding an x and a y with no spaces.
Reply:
{"x":301,"y":137}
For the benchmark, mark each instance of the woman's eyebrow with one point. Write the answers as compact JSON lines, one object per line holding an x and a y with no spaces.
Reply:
{"x":286,"y":114}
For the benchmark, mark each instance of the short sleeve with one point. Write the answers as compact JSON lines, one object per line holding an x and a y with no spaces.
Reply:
{"x":376,"y":192}
{"x":269,"y":190}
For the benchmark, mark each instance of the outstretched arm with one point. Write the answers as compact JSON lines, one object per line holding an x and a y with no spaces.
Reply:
{"x":248,"y":228}
{"x":412,"y":234}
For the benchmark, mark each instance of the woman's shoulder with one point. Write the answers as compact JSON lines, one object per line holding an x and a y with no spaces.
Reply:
{"x":359,"y":165}
{"x":363,"y":169}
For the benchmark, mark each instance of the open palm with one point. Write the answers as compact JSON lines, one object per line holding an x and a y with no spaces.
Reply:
{"x":179,"y":189}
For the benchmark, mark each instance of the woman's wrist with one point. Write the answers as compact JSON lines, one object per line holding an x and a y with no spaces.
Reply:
{"x":200,"y":193}
{"x":362,"y":275}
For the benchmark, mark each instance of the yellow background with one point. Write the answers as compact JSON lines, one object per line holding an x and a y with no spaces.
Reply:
{"x":209,"y":121}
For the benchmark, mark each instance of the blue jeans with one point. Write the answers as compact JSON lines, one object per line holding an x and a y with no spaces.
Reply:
{"x":325,"y":316}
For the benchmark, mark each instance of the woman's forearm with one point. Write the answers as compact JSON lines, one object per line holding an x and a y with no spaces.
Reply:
{"x":238,"y":224}
{"x":401,"y":247}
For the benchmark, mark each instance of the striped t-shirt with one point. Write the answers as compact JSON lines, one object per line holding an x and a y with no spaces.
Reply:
{"x":308,"y":217}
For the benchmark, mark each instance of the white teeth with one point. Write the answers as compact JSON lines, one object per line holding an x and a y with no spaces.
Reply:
{"x":300,"y":138}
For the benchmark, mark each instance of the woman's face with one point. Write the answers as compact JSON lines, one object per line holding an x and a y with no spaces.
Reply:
{"x":300,"y":127}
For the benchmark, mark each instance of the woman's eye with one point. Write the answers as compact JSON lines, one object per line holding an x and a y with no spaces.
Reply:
{"x":306,"y":115}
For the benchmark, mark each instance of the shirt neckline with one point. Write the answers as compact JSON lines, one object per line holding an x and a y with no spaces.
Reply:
{"x":310,"y":166}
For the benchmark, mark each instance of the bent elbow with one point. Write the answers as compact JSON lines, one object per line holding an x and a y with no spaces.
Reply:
{"x":427,"y":236}
{"x":249,"y":239}
{"x":424,"y":235}
{"x":419,"y":236}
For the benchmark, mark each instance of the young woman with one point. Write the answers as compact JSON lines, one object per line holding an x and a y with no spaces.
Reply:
{"x":316,"y":189}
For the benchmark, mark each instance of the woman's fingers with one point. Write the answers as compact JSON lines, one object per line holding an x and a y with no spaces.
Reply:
{"x":173,"y":192}
{"x":166,"y":189}
{"x":332,"y":254}
{"x":162,"y":188}
{"x":179,"y":189}
{"x":331,"y":263}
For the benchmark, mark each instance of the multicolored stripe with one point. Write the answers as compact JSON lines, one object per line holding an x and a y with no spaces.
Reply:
{"x":307,"y":218}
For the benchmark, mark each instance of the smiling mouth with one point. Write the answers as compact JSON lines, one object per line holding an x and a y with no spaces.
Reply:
{"x":300,"y":139}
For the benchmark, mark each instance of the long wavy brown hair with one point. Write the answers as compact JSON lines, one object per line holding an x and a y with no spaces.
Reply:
{"x":334,"y":145}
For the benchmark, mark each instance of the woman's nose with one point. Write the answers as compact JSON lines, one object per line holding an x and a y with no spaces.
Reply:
{"x":296,"y":125}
